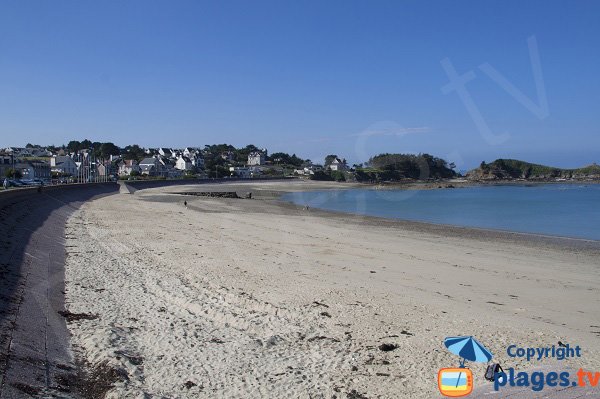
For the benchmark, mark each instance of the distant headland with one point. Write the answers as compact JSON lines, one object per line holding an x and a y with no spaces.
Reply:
{"x":513,"y":169}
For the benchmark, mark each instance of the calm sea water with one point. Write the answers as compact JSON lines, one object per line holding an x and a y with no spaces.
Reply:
{"x":568,"y":210}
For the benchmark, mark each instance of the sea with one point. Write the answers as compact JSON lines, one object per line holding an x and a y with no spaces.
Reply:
{"x":565,"y":210}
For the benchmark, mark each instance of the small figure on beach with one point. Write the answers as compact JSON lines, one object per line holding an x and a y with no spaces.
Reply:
{"x":306,"y":207}
{"x":185,"y":203}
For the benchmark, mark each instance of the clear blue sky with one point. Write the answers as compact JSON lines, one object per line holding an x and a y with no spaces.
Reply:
{"x":308,"y":77}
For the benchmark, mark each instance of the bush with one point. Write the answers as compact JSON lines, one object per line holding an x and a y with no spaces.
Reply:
{"x":320,"y":175}
{"x":338,"y":176}
{"x":12,"y":173}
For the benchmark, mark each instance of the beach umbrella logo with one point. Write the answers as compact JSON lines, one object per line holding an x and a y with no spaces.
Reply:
{"x":458,"y":381}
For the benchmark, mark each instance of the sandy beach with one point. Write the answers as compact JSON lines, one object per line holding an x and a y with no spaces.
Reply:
{"x":259,"y":298}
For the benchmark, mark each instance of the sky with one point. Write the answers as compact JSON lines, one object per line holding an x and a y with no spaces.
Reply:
{"x":463,"y":80}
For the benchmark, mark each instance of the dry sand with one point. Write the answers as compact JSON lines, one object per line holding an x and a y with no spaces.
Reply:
{"x":257,"y":298}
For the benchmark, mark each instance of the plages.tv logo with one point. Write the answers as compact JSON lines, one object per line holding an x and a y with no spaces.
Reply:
{"x":458,"y":381}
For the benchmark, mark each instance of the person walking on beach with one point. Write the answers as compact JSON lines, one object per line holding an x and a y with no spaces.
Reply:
{"x":185,"y":204}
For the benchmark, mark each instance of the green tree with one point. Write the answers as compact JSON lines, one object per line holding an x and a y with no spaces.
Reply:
{"x":330,"y":158}
{"x":421,"y":166}
{"x":134,"y":152}
{"x":282,"y":158}
{"x":321,"y":175}
{"x":73,"y":146}
{"x":13,"y":173}
{"x":108,"y":149}
{"x":85,"y":144}
{"x":241,"y":154}
{"x":338,"y":176}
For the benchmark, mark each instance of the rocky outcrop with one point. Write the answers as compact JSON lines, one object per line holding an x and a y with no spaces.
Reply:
{"x":509,"y":169}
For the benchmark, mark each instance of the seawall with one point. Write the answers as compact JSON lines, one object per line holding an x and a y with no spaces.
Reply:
{"x":35,"y":354}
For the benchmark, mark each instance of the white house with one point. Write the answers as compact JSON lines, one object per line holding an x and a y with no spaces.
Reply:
{"x":256,"y":158}
{"x":338,"y":165}
{"x":183,"y":163}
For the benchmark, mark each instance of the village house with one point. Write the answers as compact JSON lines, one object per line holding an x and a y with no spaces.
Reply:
{"x":338,"y":165}
{"x":198,"y":161}
{"x":103,"y":171}
{"x":18,"y":152}
{"x":183,"y":163}
{"x":191,"y":151}
{"x":244,"y":172}
{"x":173,"y":173}
{"x":33,"y":170}
{"x":152,"y":166}
{"x":165,"y":152}
{"x":63,"y":165}
{"x":228,"y":156}
{"x":257,"y":158}
{"x":128,"y":166}
{"x":308,"y":169}
{"x":40,"y":153}
{"x":195,"y":155}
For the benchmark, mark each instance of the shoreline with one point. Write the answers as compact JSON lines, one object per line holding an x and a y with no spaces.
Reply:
{"x":475,"y":233}
{"x":480,"y":233}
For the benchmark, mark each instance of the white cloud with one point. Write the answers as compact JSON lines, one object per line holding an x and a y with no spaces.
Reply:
{"x":391,"y":130}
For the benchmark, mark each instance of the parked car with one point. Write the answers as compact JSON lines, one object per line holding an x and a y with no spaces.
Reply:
{"x":31,"y":182}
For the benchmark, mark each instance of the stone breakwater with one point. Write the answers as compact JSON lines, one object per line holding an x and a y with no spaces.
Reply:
{"x":217,"y":194}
